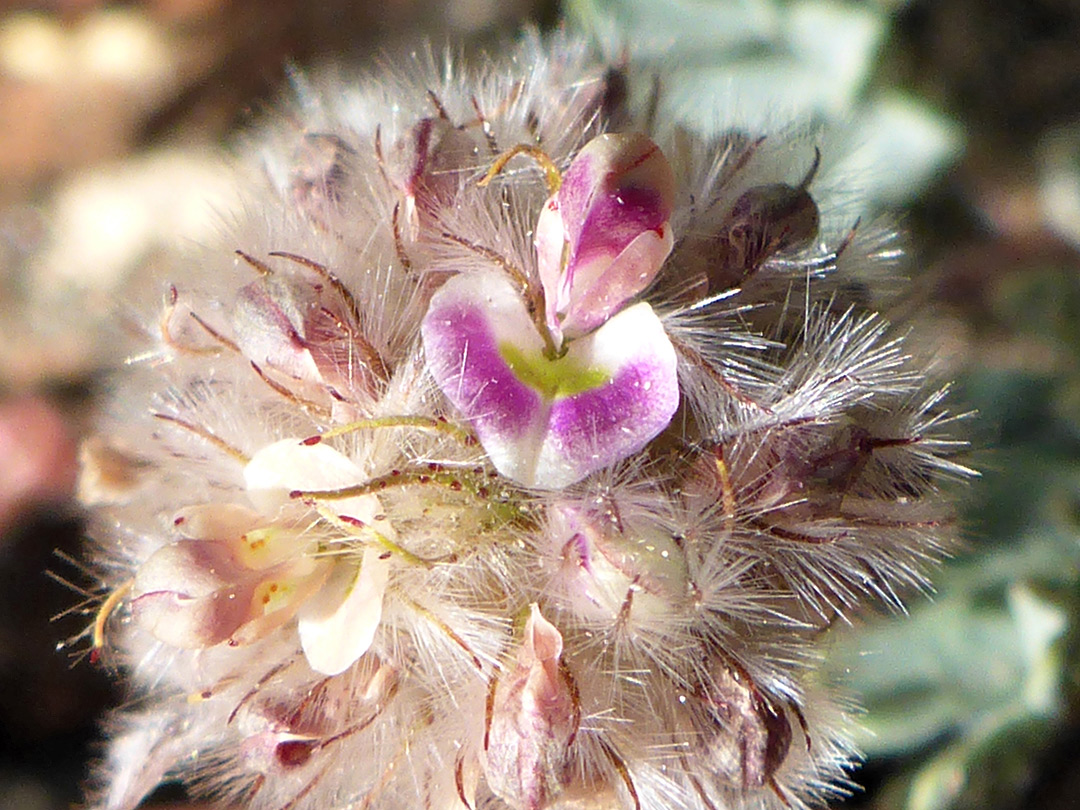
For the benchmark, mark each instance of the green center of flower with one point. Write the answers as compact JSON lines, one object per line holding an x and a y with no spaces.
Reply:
{"x":554,"y":379}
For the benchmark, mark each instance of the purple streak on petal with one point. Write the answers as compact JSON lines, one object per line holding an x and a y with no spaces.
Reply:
{"x":614,"y":220}
{"x":463,"y":356}
{"x":543,"y":442}
{"x":596,"y":428}
{"x":192,"y":593}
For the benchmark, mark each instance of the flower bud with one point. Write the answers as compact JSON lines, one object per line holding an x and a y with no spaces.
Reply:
{"x":320,"y":165}
{"x":534,"y":717}
{"x":603,"y":236}
{"x":601,"y":561}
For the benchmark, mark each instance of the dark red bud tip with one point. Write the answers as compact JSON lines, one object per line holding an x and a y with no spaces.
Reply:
{"x":352,"y":521}
{"x":310,"y":440}
{"x":179,"y":520}
{"x":293,"y":753}
{"x":95,"y":656}
{"x":296,"y":493}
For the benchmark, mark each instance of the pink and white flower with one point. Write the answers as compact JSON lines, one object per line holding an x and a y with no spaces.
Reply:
{"x":603,"y":384}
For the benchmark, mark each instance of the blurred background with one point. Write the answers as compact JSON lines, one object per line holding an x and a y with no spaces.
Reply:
{"x":115,"y":118}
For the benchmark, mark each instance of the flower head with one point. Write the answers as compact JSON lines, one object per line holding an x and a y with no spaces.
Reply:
{"x":527,"y":495}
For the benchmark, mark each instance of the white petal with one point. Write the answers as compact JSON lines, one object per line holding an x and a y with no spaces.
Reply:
{"x":288,"y":465}
{"x":338,"y":625}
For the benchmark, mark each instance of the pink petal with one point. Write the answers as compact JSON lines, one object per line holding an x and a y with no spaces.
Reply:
{"x":618,"y":189}
{"x":192,"y":594}
{"x":603,"y":287}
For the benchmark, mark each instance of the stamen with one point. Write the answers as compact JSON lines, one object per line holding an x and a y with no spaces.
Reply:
{"x":727,"y":494}
{"x":215,"y":334}
{"x":534,"y":293}
{"x":503,"y":505}
{"x":696,"y":359}
{"x":485,"y":127}
{"x":357,"y":528}
{"x":399,"y":243}
{"x":622,"y":770}
{"x":307,"y":404}
{"x":447,"y":629}
{"x":262,"y":268}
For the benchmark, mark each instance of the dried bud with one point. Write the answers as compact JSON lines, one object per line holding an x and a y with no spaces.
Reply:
{"x":764,"y":221}
{"x":319,"y":169}
{"x":534,"y":716}
{"x":603,"y":236}
{"x":429,"y":164}
{"x":744,"y":737}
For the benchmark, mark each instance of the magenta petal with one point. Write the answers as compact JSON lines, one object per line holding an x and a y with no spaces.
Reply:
{"x":548,"y":423}
{"x":617,"y":193}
